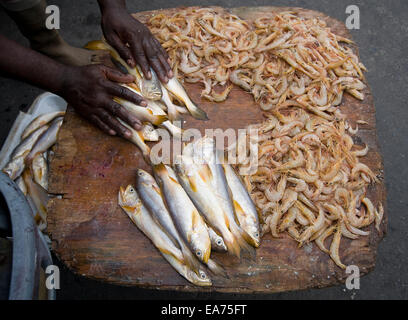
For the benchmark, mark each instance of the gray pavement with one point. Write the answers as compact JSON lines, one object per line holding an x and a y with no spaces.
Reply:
{"x":383,"y":49}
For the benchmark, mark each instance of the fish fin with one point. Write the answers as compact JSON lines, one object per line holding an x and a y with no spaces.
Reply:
{"x":241,"y":237}
{"x":189,"y":258}
{"x":232,"y":244}
{"x":196,"y":219}
{"x":159,"y":119}
{"x":165,"y":251}
{"x":216,"y":269}
{"x":193,"y":184}
{"x":205,"y":173}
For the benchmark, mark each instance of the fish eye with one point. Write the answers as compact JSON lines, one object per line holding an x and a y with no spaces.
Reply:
{"x":198,"y":253}
{"x":219,"y":242}
{"x":132,"y":190}
{"x":203,"y":276}
{"x":256,"y":234}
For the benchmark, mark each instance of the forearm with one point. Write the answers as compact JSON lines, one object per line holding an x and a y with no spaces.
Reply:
{"x":111,"y":4}
{"x":24,"y":64}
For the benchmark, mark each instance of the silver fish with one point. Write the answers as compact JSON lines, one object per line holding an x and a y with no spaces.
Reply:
{"x":217,"y":242}
{"x":196,"y":181}
{"x":137,"y":212}
{"x":150,"y":88}
{"x":204,"y":150}
{"x":186,"y":218}
{"x":40,"y":121}
{"x":157,"y":108}
{"x":26,"y":145}
{"x":149,"y":133}
{"x":245,"y":209}
{"x":40,"y":170}
{"x":15,"y":167}
{"x":46,"y":140}
{"x":177,"y":90}
{"x":142,"y":113}
{"x":168,"y":125}
{"x":151,"y":196}
{"x":138,"y":139}
{"x":38,"y":195}
{"x":21,"y":185}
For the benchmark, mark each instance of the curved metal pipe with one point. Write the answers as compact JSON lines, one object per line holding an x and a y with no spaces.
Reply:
{"x":30,"y":251}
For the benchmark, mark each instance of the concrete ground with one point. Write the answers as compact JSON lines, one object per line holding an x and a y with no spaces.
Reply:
{"x":383,"y":49}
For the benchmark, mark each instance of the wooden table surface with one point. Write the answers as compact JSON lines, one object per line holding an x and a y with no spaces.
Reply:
{"x":94,"y":238}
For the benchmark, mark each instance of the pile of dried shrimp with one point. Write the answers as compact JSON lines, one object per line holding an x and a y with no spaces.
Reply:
{"x":278,"y":58}
{"x":310,"y":182}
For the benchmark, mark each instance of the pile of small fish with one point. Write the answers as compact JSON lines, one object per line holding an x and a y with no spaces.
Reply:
{"x":197,"y":206}
{"x":28,"y":164}
{"x":310,"y":182}
{"x":279,"y":58}
{"x":165,"y":102}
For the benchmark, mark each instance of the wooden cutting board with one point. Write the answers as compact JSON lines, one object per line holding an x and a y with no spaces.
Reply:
{"x":94,"y":238}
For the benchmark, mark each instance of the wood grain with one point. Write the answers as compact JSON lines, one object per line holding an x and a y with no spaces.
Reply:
{"x":94,"y":238}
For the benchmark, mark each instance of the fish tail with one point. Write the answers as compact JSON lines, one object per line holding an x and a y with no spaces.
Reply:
{"x":216,"y":269}
{"x":195,"y":111}
{"x":243,"y":239}
{"x":159,"y":119}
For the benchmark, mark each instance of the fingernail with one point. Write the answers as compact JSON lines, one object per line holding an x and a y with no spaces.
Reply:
{"x":170,"y":74}
{"x":137,"y":126}
{"x":149,"y":75}
{"x":168,"y":60}
{"x":112,"y":133}
{"x":128,"y":134}
{"x":166,"y":79}
{"x":143,"y":103}
{"x":130,"y":62}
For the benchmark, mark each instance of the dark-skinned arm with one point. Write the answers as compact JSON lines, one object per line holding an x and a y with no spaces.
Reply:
{"x":133,"y":40}
{"x":89,"y":89}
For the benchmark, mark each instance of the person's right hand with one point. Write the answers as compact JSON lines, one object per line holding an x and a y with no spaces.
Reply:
{"x":90,"y":91}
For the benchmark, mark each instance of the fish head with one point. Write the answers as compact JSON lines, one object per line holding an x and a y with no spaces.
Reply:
{"x":200,"y":278}
{"x":128,"y":199}
{"x":143,"y":176}
{"x":201,"y":246}
{"x":220,"y":244}
{"x":254,"y":236}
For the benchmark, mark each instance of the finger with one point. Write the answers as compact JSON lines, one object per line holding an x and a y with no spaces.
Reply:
{"x":158,"y":68}
{"x":159,"y":46}
{"x":113,"y":123}
{"x":125,"y":93}
{"x":140,"y":57}
{"x":122,"y":49}
{"x":117,"y":76}
{"x":163,"y":58}
{"x":101,"y":125}
{"x":118,"y":111}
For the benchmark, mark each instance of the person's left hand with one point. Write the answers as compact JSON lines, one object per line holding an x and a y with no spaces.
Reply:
{"x":134,"y":42}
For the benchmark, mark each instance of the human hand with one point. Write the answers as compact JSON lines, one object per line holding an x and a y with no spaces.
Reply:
{"x":91,"y":89}
{"x":134,"y":41}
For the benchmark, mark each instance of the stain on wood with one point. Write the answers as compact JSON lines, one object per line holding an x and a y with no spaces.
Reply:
{"x":94,"y":238}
